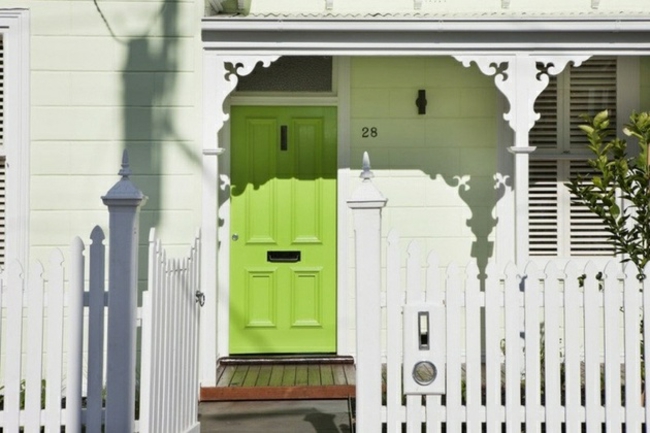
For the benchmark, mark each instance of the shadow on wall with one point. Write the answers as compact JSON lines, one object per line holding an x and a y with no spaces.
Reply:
{"x":149,"y":82}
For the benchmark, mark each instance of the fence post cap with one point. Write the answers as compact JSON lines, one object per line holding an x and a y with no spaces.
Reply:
{"x":367,"y":195}
{"x":124,"y":192}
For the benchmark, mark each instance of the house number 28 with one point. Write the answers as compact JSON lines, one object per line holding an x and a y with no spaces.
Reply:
{"x":368,"y":132}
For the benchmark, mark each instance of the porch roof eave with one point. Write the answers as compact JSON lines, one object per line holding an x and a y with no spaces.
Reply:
{"x":408,"y":36}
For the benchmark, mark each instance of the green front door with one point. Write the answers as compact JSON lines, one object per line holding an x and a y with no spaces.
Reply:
{"x":283,"y":230}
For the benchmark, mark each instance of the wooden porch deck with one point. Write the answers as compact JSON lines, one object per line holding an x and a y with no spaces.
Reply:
{"x":283,"y":378}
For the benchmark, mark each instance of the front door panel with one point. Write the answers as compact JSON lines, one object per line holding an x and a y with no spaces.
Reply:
{"x":283,"y":226}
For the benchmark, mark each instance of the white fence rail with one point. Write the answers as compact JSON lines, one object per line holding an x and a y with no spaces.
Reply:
{"x":170,"y":341}
{"x":532,"y":350}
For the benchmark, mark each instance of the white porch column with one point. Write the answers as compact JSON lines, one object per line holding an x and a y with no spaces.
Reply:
{"x":218,"y":83}
{"x":521,"y":82}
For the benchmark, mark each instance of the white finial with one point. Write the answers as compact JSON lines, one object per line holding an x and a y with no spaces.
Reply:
{"x":125,"y":172}
{"x":365,"y":165}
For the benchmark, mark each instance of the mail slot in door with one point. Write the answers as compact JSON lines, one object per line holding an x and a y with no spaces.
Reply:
{"x":283,"y":256}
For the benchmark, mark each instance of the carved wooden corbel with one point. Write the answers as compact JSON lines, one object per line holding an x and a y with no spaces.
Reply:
{"x":521,"y":81}
{"x":241,"y":66}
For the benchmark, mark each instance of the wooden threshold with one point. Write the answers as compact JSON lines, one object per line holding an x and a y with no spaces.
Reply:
{"x":296,"y":378}
{"x":278,"y":393}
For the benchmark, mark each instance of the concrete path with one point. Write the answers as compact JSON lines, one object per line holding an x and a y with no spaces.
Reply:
{"x":289,"y":416}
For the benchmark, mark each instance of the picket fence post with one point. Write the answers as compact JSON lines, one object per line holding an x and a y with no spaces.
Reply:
{"x":366,"y":204}
{"x":123,"y":200}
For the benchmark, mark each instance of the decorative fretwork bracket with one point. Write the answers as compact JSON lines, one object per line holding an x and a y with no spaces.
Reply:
{"x":240,"y":67}
{"x":521,"y":81}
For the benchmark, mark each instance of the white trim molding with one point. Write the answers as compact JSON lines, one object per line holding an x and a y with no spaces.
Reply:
{"x":218,"y":84}
{"x":14,"y":26}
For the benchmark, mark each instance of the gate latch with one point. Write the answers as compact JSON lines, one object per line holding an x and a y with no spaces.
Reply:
{"x":200,"y":297}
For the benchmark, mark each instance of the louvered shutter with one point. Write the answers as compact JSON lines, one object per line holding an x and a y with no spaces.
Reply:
{"x":543,"y":208}
{"x":588,"y":236}
{"x":559,"y":227}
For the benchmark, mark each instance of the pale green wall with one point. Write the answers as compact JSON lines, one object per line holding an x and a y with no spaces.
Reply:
{"x":98,"y":85}
{"x":418,"y":159}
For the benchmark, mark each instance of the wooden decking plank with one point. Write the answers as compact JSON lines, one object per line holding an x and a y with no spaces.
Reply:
{"x":326,"y":376}
{"x":313,"y":375}
{"x":289,"y":376}
{"x":350,"y":374}
{"x":226,"y":375}
{"x":302,"y":375}
{"x":276,"y":375}
{"x":239,"y":375}
{"x":339,"y":375}
{"x":264,"y":375}
{"x":251,"y":376}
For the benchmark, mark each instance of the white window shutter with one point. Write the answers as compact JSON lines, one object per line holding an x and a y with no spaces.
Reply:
{"x":543,"y":208}
{"x":559,"y":227}
{"x":3,"y":163}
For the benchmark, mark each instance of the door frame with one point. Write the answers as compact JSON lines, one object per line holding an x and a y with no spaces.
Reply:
{"x":340,"y":100}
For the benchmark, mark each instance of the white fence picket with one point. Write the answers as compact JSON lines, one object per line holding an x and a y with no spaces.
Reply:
{"x":413,"y":295}
{"x":54,"y":374}
{"x":592,"y":300}
{"x":532,"y":349}
{"x":552,"y":350}
{"x":13,"y":359}
{"x":74,"y":333}
{"x":473,"y":348}
{"x":646,"y":347}
{"x":34,"y":374}
{"x":612,"y":307}
{"x":96,"y":306}
{"x":632,"y":324}
{"x":434,"y":294}
{"x":394,"y":336}
{"x":512,"y":350}
{"x":493,"y":298}
{"x":454,"y":360}
{"x":572,"y":349}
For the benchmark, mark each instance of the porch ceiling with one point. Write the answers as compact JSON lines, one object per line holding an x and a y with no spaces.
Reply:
{"x":341,"y":36}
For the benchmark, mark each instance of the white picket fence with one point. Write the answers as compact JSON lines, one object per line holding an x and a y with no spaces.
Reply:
{"x":53,"y":343}
{"x":170,"y":337}
{"x":533,"y":350}
{"x":43,"y":336}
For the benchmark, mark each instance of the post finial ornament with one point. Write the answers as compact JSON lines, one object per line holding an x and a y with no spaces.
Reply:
{"x":125,"y":171}
{"x":366,"y":173}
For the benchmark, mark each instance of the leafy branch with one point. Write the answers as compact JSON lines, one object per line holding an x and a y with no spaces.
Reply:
{"x":618,"y":176}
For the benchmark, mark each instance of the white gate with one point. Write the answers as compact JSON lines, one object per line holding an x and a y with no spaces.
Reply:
{"x":170,"y":331}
